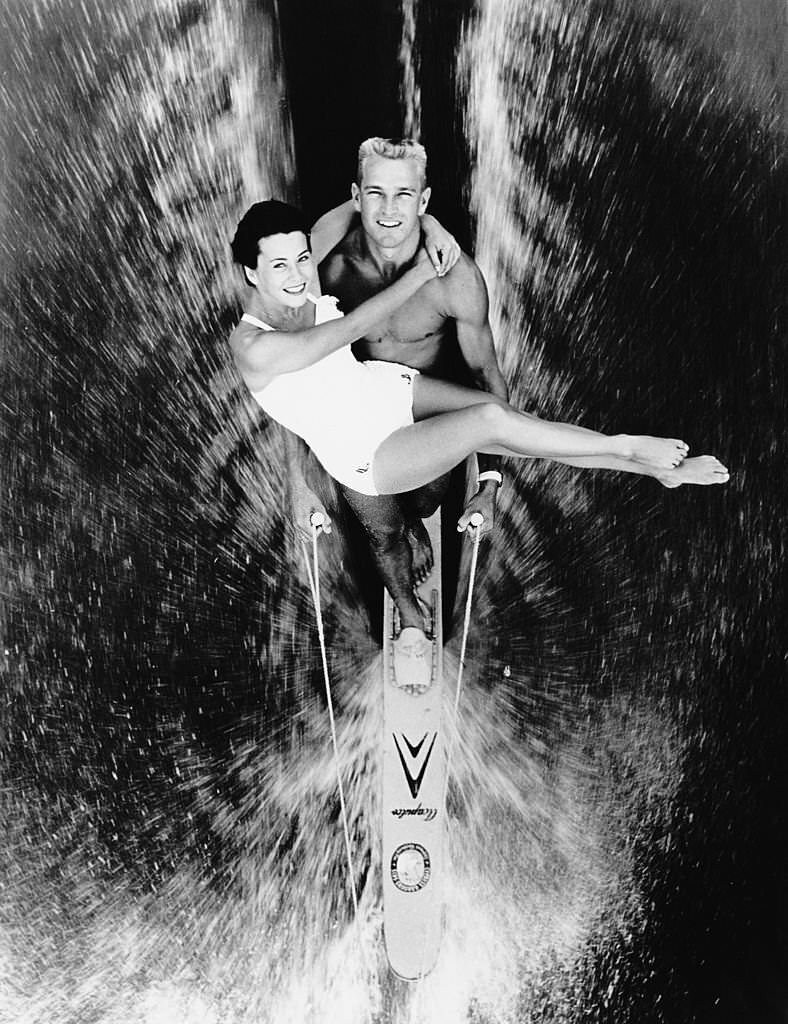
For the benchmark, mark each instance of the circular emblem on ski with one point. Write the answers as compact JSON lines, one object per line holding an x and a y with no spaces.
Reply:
{"x":410,"y":867}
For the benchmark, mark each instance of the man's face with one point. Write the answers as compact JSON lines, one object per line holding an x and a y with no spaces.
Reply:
{"x":390,"y":200}
{"x":284,"y":269}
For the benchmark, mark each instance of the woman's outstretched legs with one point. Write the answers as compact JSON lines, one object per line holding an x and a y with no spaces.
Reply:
{"x":453,"y":421}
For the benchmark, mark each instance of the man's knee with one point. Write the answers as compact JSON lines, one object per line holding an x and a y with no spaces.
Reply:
{"x":381,"y":518}
{"x":423,"y":502}
{"x":385,"y":536}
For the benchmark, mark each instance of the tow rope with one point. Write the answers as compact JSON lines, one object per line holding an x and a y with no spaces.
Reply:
{"x":316,"y":521}
{"x":313,"y":576}
{"x":476,"y":521}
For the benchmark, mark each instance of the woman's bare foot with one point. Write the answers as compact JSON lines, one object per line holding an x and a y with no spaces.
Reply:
{"x":703,"y":469}
{"x":655,"y":452}
{"x":421,"y":549}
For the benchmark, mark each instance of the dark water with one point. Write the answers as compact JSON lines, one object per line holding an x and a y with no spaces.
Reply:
{"x":171,"y":849}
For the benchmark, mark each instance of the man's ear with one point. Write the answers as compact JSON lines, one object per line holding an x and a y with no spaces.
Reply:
{"x":425,"y":198}
{"x":355,"y":195}
{"x":250,"y":276}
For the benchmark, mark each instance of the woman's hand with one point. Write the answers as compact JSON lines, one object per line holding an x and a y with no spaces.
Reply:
{"x":441,"y":247}
{"x":424,"y":264}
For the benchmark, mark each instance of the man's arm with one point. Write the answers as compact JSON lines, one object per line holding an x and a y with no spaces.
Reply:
{"x":470,"y":309}
{"x":304,"y":498}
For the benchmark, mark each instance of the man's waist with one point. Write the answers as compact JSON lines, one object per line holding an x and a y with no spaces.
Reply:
{"x":428,"y":357}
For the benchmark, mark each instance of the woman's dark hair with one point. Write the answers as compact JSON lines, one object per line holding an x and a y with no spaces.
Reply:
{"x":260,"y":221}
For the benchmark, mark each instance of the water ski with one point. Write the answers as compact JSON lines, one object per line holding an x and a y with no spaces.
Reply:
{"x":414,"y":782}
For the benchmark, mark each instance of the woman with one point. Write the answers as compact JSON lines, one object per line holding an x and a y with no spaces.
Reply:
{"x":379,"y":427}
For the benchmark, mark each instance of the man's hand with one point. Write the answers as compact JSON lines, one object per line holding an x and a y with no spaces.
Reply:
{"x":309,"y":512}
{"x":316,"y":519}
{"x":442,"y":248}
{"x":482,"y":502}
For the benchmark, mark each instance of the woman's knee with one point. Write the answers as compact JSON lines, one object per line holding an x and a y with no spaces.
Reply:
{"x":491,"y":419}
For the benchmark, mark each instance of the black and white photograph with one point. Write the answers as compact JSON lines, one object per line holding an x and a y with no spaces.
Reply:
{"x":393,"y":512}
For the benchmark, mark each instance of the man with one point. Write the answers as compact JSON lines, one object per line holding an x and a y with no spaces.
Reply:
{"x":441,"y":331}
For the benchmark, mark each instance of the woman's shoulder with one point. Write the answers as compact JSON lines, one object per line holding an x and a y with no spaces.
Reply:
{"x":243,"y":342}
{"x":242,"y":335}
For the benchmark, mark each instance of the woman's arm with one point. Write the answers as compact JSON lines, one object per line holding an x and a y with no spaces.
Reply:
{"x":442,"y":247}
{"x":274,"y":352}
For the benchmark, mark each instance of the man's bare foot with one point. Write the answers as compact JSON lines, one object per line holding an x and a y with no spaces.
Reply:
{"x":656,"y":452}
{"x":703,"y":469}
{"x":421,"y":549}
{"x":412,"y":661}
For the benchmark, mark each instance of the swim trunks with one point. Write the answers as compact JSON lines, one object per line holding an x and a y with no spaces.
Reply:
{"x":342,"y":408}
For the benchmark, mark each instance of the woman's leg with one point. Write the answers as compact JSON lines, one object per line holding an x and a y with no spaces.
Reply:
{"x":453,"y":421}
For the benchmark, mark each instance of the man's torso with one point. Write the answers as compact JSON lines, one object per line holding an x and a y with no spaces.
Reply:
{"x":420,"y":333}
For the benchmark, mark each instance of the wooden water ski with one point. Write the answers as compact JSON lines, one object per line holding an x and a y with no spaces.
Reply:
{"x":414,"y":770}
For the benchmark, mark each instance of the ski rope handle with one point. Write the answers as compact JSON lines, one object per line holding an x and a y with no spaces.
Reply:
{"x":316,"y":521}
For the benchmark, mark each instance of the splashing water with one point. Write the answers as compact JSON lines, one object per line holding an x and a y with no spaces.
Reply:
{"x":410,"y":94}
{"x":559,"y":218}
{"x":172,"y":849}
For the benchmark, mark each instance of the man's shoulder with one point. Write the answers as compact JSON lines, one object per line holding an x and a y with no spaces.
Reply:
{"x":465,"y":272}
{"x":347,"y":248}
{"x":341,"y":264}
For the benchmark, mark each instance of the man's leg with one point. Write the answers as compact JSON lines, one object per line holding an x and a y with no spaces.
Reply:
{"x":384,"y":523}
{"x":416,"y":506}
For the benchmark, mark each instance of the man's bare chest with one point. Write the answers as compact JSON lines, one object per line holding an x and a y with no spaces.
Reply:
{"x":412,"y":324}
{"x":416,"y":322}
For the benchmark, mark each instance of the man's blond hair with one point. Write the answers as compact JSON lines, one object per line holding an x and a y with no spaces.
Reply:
{"x":393,"y":149}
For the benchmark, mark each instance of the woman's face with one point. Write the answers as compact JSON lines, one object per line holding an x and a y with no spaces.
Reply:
{"x":284,"y":269}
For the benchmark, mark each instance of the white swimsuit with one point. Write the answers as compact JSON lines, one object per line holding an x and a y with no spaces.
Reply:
{"x":342,"y":408}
